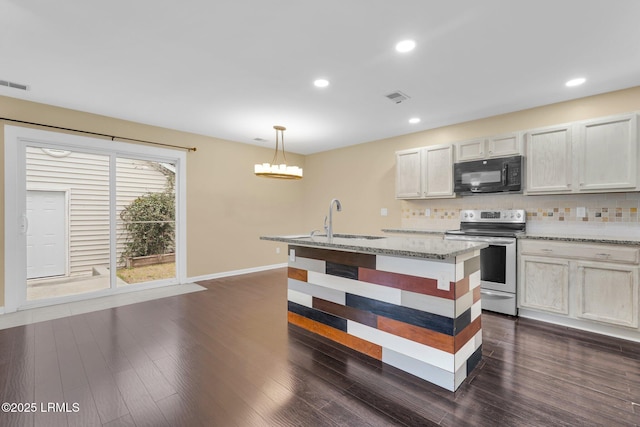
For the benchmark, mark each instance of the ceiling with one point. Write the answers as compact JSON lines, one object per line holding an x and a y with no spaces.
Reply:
{"x":234,"y":68}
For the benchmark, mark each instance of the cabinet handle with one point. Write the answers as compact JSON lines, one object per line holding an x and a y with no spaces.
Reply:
{"x":604,"y":255}
{"x":546,"y":250}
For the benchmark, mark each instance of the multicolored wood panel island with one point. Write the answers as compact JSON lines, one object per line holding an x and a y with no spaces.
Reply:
{"x":411,"y":302}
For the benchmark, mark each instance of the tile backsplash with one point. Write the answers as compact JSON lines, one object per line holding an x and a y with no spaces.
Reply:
{"x":605,"y":214}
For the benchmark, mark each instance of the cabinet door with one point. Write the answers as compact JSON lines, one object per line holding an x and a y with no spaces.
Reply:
{"x":504,"y":145}
{"x":608,"y":293}
{"x":549,"y":160}
{"x":544,"y":284}
{"x":438,"y":171}
{"x":409,"y":174}
{"x":608,"y":154}
{"x":470,"y":150}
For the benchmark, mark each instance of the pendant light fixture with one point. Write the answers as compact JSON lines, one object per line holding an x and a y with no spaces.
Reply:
{"x":277,"y":169}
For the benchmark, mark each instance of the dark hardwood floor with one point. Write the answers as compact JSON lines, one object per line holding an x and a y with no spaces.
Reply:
{"x":227,"y":357}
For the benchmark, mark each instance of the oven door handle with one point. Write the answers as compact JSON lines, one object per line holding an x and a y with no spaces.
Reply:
{"x":494,"y":295}
{"x":500,"y":242}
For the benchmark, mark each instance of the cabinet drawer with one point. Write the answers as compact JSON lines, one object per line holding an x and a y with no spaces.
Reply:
{"x":591,"y":252}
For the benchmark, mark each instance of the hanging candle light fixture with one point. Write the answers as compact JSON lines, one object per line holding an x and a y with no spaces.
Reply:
{"x":277,"y":168}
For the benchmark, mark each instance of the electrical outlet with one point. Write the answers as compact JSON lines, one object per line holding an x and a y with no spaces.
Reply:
{"x":384,"y":212}
{"x":292,"y":255}
{"x":277,"y":250}
{"x":581,"y":212}
{"x":427,"y":212}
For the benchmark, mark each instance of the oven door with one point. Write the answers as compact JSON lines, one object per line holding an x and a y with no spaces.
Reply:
{"x":497,"y":272}
{"x":498,"y":264}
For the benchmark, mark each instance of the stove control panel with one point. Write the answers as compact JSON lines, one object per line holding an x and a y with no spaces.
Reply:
{"x":508,"y":215}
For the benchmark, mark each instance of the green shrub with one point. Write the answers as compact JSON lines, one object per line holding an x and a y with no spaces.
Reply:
{"x":150,"y":225}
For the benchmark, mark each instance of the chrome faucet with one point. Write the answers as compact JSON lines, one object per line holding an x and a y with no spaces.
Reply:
{"x":329,"y":228}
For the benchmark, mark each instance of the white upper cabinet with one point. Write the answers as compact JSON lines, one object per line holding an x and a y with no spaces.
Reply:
{"x":425,"y":172}
{"x":549,"y":160}
{"x":608,"y":153}
{"x":489,"y":147}
{"x":504,"y":145}
{"x":591,"y":156}
{"x":438,"y":171}
{"x":409,"y":174}
{"x":470,"y":150}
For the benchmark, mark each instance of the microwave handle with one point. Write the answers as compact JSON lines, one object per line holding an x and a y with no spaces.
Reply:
{"x":505,"y":169}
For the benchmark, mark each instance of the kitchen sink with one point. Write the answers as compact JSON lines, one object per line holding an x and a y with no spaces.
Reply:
{"x":355,"y":236}
{"x":341,"y":236}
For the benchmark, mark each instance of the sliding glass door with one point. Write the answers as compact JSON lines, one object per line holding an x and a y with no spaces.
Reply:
{"x":91,"y":217}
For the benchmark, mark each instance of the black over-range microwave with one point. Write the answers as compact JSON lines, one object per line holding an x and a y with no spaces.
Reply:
{"x":488,"y":176}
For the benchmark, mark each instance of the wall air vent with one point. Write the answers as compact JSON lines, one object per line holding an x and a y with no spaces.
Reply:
{"x":397,"y":97}
{"x":13,"y":85}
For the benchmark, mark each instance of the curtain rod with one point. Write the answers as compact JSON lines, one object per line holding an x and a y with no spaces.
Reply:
{"x":99,"y":134}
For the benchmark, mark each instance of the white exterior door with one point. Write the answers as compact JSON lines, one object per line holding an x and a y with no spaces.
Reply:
{"x":46,"y":234}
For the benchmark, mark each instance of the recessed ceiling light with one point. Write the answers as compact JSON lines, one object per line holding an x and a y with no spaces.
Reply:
{"x":414,"y":120}
{"x":575,"y":82}
{"x":321,"y":83}
{"x":405,"y":46}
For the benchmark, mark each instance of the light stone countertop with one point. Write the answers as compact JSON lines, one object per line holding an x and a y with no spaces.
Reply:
{"x":631,"y":240}
{"x":431,"y":247}
{"x":611,"y":240}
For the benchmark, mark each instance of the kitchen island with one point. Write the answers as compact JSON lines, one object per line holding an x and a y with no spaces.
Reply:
{"x":410,"y":302}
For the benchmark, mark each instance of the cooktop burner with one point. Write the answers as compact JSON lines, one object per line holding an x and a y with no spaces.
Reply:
{"x":478,"y":232}
{"x":498,"y":223}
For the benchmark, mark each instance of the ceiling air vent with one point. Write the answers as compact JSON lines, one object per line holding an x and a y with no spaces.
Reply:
{"x":260,"y":139}
{"x":397,"y":97}
{"x":13,"y":85}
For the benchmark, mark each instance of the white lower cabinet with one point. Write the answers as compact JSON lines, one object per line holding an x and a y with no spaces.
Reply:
{"x":545,"y":284}
{"x":587,"y":284}
{"x":607,"y":293}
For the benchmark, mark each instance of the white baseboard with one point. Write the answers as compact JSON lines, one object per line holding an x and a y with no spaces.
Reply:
{"x":236,"y":272}
{"x":584,"y":325}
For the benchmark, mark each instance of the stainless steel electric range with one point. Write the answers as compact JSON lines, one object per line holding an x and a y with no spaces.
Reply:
{"x":498,"y":228}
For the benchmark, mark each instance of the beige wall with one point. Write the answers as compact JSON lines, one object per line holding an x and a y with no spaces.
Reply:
{"x":363,"y":176}
{"x":228,"y":207}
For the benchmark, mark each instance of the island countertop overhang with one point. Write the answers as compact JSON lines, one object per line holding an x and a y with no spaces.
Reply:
{"x":411,"y":247}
